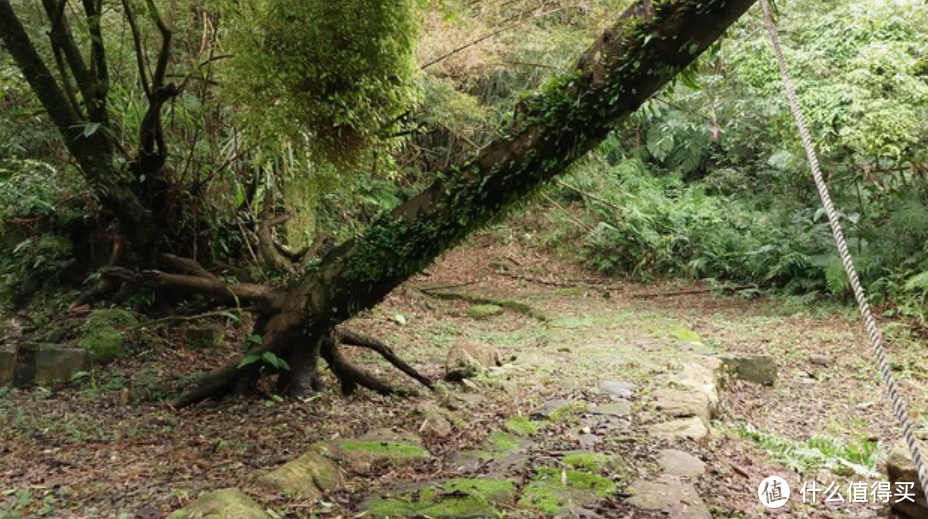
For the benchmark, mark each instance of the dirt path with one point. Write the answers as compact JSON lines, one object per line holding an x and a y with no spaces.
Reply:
{"x":81,"y":452}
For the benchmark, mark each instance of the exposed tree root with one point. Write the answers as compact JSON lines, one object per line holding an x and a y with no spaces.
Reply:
{"x":357,"y":339}
{"x":350,"y":375}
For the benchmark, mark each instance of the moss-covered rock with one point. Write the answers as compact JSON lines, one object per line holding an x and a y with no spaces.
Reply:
{"x":551,"y":490}
{"x":229,"y":503}
{"x":204,"y":336}
{"x":484,"y":311}
{"x":461,"y":498}
{"x":361,"y":453}
{"x":521,"y":426}
{"x":501,"y":441}
{"x":595,"y":462}
{"x":308,"y":476}
{"x":103,"y":334}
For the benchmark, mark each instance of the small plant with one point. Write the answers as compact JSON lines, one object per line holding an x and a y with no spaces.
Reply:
{"x":818,"y":452}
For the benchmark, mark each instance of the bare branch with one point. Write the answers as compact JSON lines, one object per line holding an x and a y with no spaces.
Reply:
{"x":63,"y":41}
{"x":266,"y":247}
{"x":139,"y":49}
{"x":197,"y":285}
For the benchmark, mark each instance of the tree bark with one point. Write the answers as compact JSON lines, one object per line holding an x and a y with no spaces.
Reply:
{"x":628,"y":63}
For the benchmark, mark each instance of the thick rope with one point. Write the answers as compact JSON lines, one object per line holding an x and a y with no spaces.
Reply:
{"x":873,"y":333}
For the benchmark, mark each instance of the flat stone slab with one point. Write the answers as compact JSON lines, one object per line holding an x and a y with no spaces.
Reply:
{"x":617,"y":388}
{"x":620,"y":409}
{"x":553,"y":491}
{"x":309,"y":476}
{"x":7,"y":366}
{"x":680,"y":464}
{"x":466,"y":462}
{"x":229,"y":503}
{"x":692,"y":428}
{"x":53,"y":365}
{"x":676,"y":499}
{"x":682,"y":404}
{"x":461,"y":498}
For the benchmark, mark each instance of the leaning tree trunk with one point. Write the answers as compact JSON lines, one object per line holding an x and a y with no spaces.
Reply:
{"x":642,"y":52}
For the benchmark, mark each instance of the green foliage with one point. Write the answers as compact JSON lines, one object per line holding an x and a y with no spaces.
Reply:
{"x":709,"y":180}
{"x":335,"y":76}
{"x":859,"y":459}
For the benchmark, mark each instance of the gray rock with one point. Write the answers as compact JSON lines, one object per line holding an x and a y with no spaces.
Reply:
{"x":7,"y":365}
{"x":692,"y":428}
{"x":672,"y":497}
{"x":54,"y":364}
{"x":621,"y":409}
{"x":466,"y":462}
{"x":901,"y":468}
{"x":229,"y":503}
{"x":821,"y":360}
{"x":435,"y":421}
{"x":759,"y":369}
{"x":681,"y":464}
{"x":617,"y":388}
{"x":308,"y":476}
{"x":586,"y":440}
{"x":469,"y":359}
{"x":701,"y":373}
{"x":682,"y":404}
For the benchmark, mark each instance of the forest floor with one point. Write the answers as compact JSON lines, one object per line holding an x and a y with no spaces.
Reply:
{"x":102,"y":448}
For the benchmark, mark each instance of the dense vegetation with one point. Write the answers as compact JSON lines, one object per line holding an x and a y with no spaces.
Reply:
{"x":710,"y":180}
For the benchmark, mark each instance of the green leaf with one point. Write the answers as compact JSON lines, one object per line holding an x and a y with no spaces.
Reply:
{"x":248,"y":360}
{"x":91,"y":128}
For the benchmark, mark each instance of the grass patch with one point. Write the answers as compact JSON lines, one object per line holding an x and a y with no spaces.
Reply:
{"x":521,"y":426}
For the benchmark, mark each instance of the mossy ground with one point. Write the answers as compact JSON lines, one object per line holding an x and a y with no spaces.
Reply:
{"x":388,"y":449}
{"x":456,"y":498}
{"x":502,"y":441}
{"x":484,"y":311}
{"x":551,"y":490}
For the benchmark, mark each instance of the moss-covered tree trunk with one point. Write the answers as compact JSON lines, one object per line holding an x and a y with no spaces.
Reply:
{"x":650,"y":43}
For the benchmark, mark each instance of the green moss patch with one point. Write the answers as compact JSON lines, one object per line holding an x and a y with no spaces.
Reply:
{"x":387,"y":449}
{"x":594,"y":462}
{"x":548,"y":493}
{"x":484,"y":311}
{"x":521,"y":426}
{"x":103,"y":334}
{"x":567,"y":411}
{"x":453,"y":499}
{"x":501,"y":441}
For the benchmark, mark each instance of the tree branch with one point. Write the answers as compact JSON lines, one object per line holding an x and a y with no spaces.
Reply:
{"x":139,"y":50}
{"x":197,"y":285}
